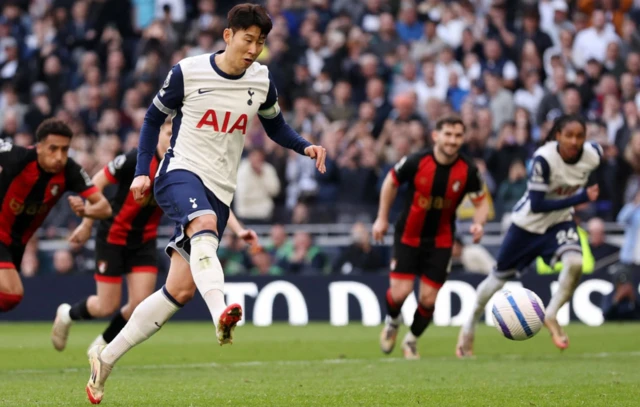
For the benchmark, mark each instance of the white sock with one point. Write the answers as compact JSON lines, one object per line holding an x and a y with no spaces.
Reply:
{"x":485,"y":291}
{"x":393,"y":321}
{"x":207,"y":272}
{"x":409,"y":337}
{"x":569,"y":278}
{"x":145,"y":321}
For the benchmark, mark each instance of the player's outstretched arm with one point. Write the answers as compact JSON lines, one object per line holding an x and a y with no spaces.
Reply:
{"x":479,"y":217}
{"x":404,"y":171}
{"x":539,"y":204}
{"x":476,"y":190}
{"x":168,"y":99}
{"x":248,"y":235}
{"x":279,"y":131}
{"x":82,"y":233}
{"x":79,"y":182}
{"x":97,"y":206}
{"x":388,"y":194}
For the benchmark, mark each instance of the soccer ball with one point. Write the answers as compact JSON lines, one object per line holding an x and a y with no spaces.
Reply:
{"x":517,"y":313}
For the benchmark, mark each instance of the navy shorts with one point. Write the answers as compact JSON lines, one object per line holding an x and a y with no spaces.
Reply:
{"x":520,"y":247}
{"x":183,"y":197}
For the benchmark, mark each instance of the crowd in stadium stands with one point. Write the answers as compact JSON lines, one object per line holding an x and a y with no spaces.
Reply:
{"x":364,"y":78}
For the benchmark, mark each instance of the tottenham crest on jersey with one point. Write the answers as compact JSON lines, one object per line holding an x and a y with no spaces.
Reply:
{"x":251,"y":93}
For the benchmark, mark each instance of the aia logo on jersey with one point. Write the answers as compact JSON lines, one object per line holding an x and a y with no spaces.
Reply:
{"x":213,"y":120}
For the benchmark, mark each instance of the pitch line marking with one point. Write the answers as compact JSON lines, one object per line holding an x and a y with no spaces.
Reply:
{"x":598,"y":355}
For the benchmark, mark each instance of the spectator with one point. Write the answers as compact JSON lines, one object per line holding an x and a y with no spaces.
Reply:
{"x":305,"y":257}
{"x":233,"y":257}
{"x":592,"y":42}
{"x":558,"y":22}
{"x":622,"y":304}
{"x":263,"y":263}
{"x":500,"y":100}
{"x":359,"y":256}
{"x":531,"y":94}
{"x":430,"y":44}
{"x":512,"y":189}
{"x":629,"y":217}
{"x":260,"y":184}
{"x":599,"y":247}
{"x":63,"y":262}
{"x":279,"y":247}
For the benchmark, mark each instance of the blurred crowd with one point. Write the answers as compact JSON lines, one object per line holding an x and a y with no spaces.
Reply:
{"x":366,"y":79}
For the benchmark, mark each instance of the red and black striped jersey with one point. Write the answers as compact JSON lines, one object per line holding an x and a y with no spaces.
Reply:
{"x":28,"y":192}
{"x":435,"y":192}
{"x":132,"y":223}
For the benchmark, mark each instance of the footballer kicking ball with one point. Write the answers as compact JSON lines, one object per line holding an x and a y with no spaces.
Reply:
{"x":517,"y":313}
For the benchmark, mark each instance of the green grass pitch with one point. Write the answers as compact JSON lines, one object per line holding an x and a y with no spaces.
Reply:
{"x":319,"y":365}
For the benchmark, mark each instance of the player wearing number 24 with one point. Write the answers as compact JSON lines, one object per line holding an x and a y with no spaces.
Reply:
{"x":543,"y":224}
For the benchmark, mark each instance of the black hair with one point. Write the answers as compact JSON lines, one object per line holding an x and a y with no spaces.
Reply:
{"x":246,"y":15}
{"x":449,"y":121}
{"x":561,"y":122}
{"x":52,"y":126}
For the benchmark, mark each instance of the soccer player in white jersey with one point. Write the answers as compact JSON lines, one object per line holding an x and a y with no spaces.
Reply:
{"x":212,"y":99}
{"x":543,"y":224}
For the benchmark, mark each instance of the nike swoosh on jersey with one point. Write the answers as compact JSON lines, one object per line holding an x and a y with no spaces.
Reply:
{"x":201,"y":91}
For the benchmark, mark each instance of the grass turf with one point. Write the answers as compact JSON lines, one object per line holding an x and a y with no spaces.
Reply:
{"x":319,"y":365}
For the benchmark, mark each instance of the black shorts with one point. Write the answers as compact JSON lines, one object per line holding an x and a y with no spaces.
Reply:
{"x":114,"y":261}
{"x":11,"y":256}
{"x":431,"y":264}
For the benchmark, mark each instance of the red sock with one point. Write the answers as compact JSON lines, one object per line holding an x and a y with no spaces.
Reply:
{"x":393,"y":308}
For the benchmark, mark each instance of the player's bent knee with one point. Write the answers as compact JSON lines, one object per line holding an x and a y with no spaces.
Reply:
{"x":205,"y":222}
{"x":9,"y":301}
{"x":428,"y":300}
{"x":135,"y":301}
{"x":181,"y":294}
{"x":573,"y":261}
{"x":400,"y":293}
{"x":503,"y":275}
{"x":106,"y":308}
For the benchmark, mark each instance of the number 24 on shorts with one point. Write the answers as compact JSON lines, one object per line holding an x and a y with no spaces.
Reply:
{"x":569,"y":235}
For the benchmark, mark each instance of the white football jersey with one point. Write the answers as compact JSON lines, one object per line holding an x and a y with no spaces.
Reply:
{"x":211,"y":112}
{"x":558,"y":180}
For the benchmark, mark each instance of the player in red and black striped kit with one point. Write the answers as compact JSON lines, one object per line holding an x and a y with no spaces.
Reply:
{"x":126,"y":245}
{"x":438,"y":181}
{"x":32,"y":180}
